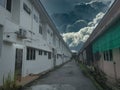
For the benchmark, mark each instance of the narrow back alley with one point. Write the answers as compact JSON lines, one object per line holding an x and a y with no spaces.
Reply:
{"x":59,"y":44}
{"x":68,"y":77}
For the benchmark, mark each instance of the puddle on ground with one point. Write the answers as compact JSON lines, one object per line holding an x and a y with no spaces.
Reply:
{"x":52,"y":87}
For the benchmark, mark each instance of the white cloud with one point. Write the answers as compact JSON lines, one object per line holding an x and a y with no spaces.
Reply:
{"x":83,"y":34}
{"x":106,"y":1}
{"x":74,"y":51}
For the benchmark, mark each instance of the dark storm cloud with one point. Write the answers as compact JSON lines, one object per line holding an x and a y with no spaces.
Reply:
{"x":60,"y":6}
{"x":56,"y":6}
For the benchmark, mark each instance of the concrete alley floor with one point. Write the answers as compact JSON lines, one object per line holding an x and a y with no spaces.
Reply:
{"x":68,"y":77}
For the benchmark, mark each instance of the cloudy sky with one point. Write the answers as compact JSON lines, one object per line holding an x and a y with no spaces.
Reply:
{"x":58,"y":6}
{"x":76,"y":19}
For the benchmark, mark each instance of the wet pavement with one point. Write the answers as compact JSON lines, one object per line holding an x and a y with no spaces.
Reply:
{"x":68,"y":77}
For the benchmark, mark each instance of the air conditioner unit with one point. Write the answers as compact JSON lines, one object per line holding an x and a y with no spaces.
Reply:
{"x":21,"y":33}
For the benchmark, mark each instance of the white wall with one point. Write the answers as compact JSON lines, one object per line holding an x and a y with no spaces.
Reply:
{"x":116,"y":57}
{"x":108,"y":66}
{"x":7,"y":60}
{"x":7,"y":57}
{"x":26,"y":19}
{"x":2,"y":15}
{"x":35,"y":28}
{"x":16,"y":11}
{"x":54,"y":39}
{"x":40,"y":64}
{"x":59,"y":61}
{"x":49,"y":37}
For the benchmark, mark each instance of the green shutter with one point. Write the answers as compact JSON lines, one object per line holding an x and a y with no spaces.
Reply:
{"x":109,"y":40}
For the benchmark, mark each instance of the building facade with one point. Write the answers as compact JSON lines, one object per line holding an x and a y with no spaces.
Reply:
{"x":29,"y":40}
{"x":104,"y":44}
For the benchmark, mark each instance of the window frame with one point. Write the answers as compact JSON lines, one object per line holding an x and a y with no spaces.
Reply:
{"x":45,"y":52}
{"x":108,"y":55}
{"x":30,"y":53}
{"x":40,"y":52}
{"x":111,"y":55}
{"x":40,"y":29}
{"x":26,"y":8}
{"x":57,"y":56}
{"x":49,"y":55}
{"x":6,"y":5}
{"x":9,"y":2}
{"x":36,"y":18}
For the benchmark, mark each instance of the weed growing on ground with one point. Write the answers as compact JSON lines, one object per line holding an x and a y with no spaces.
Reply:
{"x":9,"y":84}
{"x":86,"y":71}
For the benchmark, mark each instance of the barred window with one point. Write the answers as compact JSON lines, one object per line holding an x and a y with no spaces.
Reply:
{"x":26,"y":8}
{"x":9,"y":5}
{"x":40,"y":52}
{"x":57,"y":56}
{"x":6,"y":4}
{"x":36,"y":18}
{"x":45,"y":52}
{"x":31,"y":53}
{"x":108,"y":55}
{"x":49,"y":55}
{"x":40,"y":29}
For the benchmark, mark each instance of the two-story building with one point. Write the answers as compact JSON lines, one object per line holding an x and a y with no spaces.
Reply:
{"x":29,"y":41}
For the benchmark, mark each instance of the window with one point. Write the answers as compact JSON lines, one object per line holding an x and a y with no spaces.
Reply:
{"x":45,"y":53}
{"x":40,"y":29}
{"x":2,"y":3}
{"x":6,"y":4}
{"x":57,"y":56}
{"x":26,"y":8}
{"x":108,"y":56}
{"x":9,"y":5}
{"x":36,"y":18}
{"x":111,"y":55}
{"x":40,"y":52}
{"x":31,"y":53}
{"x":104,"y":55}
{"x":49,"y":55}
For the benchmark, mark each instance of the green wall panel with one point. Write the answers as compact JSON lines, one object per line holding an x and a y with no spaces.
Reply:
{"x":109,"y":40}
